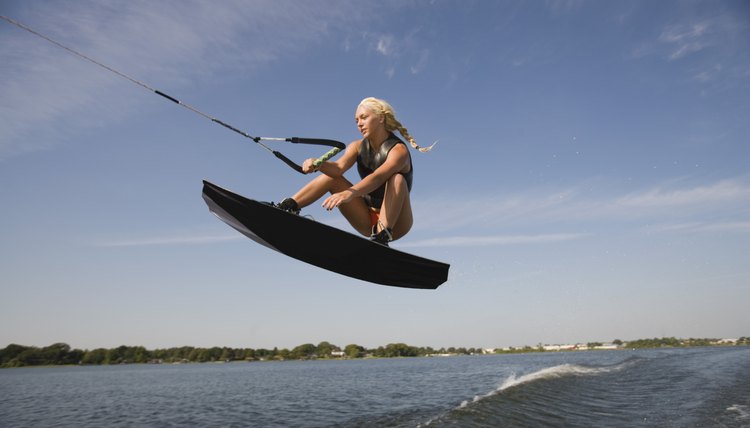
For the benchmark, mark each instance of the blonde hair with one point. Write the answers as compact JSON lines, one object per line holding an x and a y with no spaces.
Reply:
{"x":381,"y":107}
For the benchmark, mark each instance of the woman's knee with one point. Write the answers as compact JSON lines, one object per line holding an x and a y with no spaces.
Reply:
{"x":338,"y":184}
{"x":330,"y":184}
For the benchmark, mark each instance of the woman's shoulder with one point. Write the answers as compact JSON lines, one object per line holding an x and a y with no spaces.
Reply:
{"x":352,"y":150}
{"x":355,"y":145}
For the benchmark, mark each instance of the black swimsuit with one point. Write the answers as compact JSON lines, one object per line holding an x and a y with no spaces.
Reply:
{"x":368,"y":161}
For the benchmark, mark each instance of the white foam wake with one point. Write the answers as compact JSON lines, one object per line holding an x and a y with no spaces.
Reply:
{"x":552,"y":373}
{"x":743,"y":412}
{"x":548,"y":373}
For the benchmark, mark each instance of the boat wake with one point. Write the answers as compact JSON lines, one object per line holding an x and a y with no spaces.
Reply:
{"x":742,"y":412}
{"x":555,"y":372}
{"x":515,"y":381}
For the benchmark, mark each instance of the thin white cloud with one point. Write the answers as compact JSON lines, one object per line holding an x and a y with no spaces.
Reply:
{"x":680,"y":40}
{"x":676,"y":42}
{"x":709,"y":74}
{"x":48,"y":93}
{"x":721,"y":41}
{"x":564,"y":5}
{"x":184,"y":240}
{"x":471,"y":241}
{"x":736,"y":226}
{"x":422,"y":60}
{"x":683,"y":33}
{"x":397,"y":51}
{"x":727,"y":200}
{"x":727,"y":191}
{"x":385,"y":45}
{"x":490,"y":211}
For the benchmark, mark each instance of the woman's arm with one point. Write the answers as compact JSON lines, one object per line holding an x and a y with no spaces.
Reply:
{"x":335,"y":168}
{"x":397,"y":161}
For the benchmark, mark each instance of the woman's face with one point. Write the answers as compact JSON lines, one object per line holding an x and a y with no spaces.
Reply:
{"x":367,"y":121}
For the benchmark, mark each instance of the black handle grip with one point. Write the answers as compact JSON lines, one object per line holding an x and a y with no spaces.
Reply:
{"x":317,"y":141}
{"x":289,"y":162}
{"x":174,"y":100}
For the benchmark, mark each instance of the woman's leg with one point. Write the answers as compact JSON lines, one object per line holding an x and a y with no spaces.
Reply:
{"x":355,"y":211}
{"x":395,"y":213}
{"x":317,"y":187}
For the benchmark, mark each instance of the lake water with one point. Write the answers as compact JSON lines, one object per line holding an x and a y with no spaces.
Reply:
{"x":699,"y":387}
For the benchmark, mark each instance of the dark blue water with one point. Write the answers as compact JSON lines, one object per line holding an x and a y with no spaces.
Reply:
{"x":706,"y":387}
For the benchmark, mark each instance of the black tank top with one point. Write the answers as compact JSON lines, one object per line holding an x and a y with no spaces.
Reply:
{"x":369,"y":160}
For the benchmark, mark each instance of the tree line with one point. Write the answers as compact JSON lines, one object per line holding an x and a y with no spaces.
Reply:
{"x":673,"y":342}
{"x":62,"y":354}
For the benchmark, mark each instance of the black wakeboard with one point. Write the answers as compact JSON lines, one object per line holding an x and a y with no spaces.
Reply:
{"x":321,"y":245}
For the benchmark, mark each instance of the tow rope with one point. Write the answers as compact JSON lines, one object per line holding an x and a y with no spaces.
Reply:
{"x":337,"y":145}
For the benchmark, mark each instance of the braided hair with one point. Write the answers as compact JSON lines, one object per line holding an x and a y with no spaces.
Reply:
{"x":382,"y":107}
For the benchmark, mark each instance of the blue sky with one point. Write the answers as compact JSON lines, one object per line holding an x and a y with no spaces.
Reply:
{"x":590,"y":182}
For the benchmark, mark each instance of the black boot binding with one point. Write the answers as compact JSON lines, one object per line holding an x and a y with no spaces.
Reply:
{"x":383,"y":237}
{"x":289,"y":205}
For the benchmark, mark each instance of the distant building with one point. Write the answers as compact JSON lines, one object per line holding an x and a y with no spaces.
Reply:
{"x":560,"y":347}
{"x":607,"y":346}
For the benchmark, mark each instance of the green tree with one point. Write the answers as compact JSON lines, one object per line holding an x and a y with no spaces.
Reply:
{"x":74,"y":356}
{"x":113,"y":356}
{"x":227,"y":354}
{"x":54,"y":354}
{"x":354,"y":351}
{"x":183,"y":353}
{"x":9,"y":355}
{"x":214,"y":354}
{"x":137,"y":354}
{"x":262,"y":354}
{"x":250,"y":354}
{"x":305,"y":351}
{"x":426,"y":351}
{"x":324,"y":349}
{"x":399,"y":350}
{"x":32,"y":356}
{"x":96,"y":356}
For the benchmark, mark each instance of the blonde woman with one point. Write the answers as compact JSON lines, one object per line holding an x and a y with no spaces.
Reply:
{"x":377,"y":206}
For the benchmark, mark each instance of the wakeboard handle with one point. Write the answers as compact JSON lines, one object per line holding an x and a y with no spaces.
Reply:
{"x":337,"y":147}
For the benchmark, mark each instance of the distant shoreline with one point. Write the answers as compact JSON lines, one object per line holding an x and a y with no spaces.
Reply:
{"x":61,"y":354}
